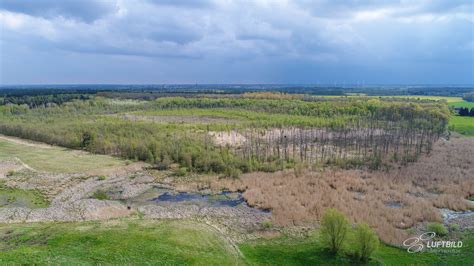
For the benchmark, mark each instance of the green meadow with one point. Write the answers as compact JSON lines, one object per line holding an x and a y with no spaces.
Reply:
{"x":54,"y":159}
{"x":179,"y":242}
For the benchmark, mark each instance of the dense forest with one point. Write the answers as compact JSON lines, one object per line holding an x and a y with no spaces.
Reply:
{"x":185,"y":90}
{"x":464,"y":111}
{"x":42,"y":100}
{"x":469,"y":97}
{"x":272,"y":132}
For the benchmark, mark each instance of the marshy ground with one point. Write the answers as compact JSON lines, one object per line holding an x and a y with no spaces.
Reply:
{"x":193,"y":194}
{"x":139,"y":204}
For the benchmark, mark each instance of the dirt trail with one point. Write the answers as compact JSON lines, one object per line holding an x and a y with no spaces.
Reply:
{"x":25,"y":165}
{"x":233,"y":248}
{"x":26,"y":142}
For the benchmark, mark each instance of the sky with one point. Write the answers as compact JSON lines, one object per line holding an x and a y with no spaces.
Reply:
{"x":337,"y":42}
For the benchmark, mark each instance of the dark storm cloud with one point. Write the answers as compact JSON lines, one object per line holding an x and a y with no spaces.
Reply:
{"x":248,"y":41}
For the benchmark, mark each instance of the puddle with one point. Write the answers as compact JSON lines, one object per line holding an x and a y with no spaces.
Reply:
{"x":359,"y":195}
{"x":225,"y":198}
{"x":450,"y":214}
{"x":166,"y":197}
{"x":394,"y":204}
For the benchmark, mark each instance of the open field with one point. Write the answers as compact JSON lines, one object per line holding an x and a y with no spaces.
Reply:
{"x":410,"y":97}
{"x":241,"y":178}
{"x":135,"y":242}
{"x":463,"y":125}
{"x":308,"y":250}
{"x":462,"y":104}
{"x":172,"y":242}
{"x":47,"y":158}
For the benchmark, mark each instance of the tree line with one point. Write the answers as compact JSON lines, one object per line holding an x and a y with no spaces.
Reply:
{"x":42,"y":100}
{"x":469,"y":97}
{"x":464,"y":111}
{"x":359,"y":132}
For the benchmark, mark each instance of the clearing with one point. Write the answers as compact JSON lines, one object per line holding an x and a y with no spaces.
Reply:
{"x":115,"y":242}
{"x":462,"y":124}
{"x":43,"y":157}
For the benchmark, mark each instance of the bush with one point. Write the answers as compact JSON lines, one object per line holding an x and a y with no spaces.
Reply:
{"x":100,"y":195}
{"x":454,"y":227}
{"x":334,"y":227}
{"x":266,"y":225}
{"x":182,"y":171}
{"x":367,"y":241}
{"x":438,"y":228}
{"x":232,"y":172}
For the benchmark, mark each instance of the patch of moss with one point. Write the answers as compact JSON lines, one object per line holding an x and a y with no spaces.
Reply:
{"x":15,"y":197}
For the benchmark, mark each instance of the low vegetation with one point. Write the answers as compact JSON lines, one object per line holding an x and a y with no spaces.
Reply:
{"x":367,"y":242}
{"x":26,"y":198}
{"x":274,"y":133}
{"x":114,"y":242}
{"x":438,"y":228}
{"x":387,"y":164}
{"x":309,"y":250}
{"x":334,"y":227}
{"x":184,"y":242}
{"x":463,"y":125}
{"x":390,"y":202}
{"x":100,"y":195}
{"x":53,"y":159}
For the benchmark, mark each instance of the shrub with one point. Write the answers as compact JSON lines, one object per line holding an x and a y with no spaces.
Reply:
{"x":438,"y":228}
{"x":367,"y":241}
{"x":102,"y":177}
{"x":266,"y":225}
{"x":334,"y":227}
{"x":100,"y":195}
{"x":232,"y":172}
{"x":454,"y":227}
{"x":182,"y":171}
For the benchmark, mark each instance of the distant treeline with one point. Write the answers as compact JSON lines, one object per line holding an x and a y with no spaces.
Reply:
{"x":151,"y":92}
{"x":469,"y":97}
{"x":464,"y":111}
{"x":42,"y":100}
{"x":355,"y":130}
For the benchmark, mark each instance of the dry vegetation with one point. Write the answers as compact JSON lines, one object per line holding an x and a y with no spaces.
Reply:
{"x":390,"y":202}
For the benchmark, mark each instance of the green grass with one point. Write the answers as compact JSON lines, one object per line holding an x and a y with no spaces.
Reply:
{"x":56,"y":159}
{"x":462,"y":124}
{"x":241,"y":118}
{"x":119,"y":242}
{"x":462,"y":104}
{"x":433,"y":98}
{"x":411,"y":97}
{"x":14,"y":197}
{"x":100,"y":195}
{"x":309,"y":251}
{"x":179,"y":242}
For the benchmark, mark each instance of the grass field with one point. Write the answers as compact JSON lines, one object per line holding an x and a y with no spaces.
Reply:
{"x":117,"y":242}
{"x":174,"y":242}
{"x":413,"y":97}
{"x":54,"y":159}
{"x":462,"y":124}
{"x":309,"y":251}
{"x":462,"y":104}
